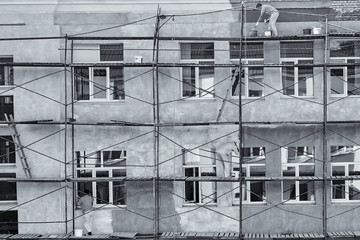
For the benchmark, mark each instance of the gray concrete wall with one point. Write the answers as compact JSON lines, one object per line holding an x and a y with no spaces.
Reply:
{"x":137,"y":216}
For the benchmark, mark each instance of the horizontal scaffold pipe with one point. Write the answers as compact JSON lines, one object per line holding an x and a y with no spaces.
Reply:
{"x":223,"y":39}
{"x":182,"y":38}
{"x":181,"y":179}
{"x":180,"y":64}
{"x":130,"y":124}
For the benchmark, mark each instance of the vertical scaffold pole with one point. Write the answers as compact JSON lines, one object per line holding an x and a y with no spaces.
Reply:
{"x":72,"y":135}
{"x":325,"y":152}
{"x":240,"y":134}
{"x":65,"y":133}
{"x":156,"y":120}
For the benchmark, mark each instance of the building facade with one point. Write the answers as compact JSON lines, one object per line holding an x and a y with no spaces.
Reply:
{"x":155,"y":129}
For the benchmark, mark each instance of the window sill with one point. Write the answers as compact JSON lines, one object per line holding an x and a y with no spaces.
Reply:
{"x":296,"y":97}
{"x":201,"y":204}
{"x":100,"y":101}
{"x":343,"y":202}
{"x":196,"y":99}
{"x":8,"y":202}
{"x":98,"y":207}
{"x":247,"y":98}
{"x":298,"y":203}
{"x":251,"y":204}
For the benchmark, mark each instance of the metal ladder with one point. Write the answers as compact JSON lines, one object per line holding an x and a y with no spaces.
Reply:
{"x":20,"y":149}
{"x":228,"y":92}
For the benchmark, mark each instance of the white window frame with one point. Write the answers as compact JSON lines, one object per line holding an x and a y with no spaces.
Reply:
{"x":102,"y":169}
{"x":7,"y":72}
{"x":96,"y":47}
{"x":210,"y":92}
{"x":246,"y":77}
{"x":296,"y":76}
{"x":344,"y":150}
{"x":194,"y":155}
{"x":297,"y":174}
{"x":345,"y":72}
{"x":8,"y":168}
{"x":347,"y":182}
{"x":247,"y":166}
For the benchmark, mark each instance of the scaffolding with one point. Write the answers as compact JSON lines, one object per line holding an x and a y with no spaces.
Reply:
{"x":70,"y":123}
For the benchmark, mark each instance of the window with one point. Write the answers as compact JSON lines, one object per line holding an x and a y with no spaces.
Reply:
{"x":6,"y":72}
{"x":105,"y":164}
{"x":253,"y":166}
{"x":297,"y":81}
{"x":345,"y":161}
{"x":252,"y":77}
{"x":7,"y":150}
{"x":6,"y":106}
{"x":197,"y":82}
{"x":8,"y":222}
{"x":345,"y":81}
{"x":99,"y":83}
{"x":7,"y":189}
{"x":199,"y":163}
{"x":298,"y":162}
{"x":7,"y":169}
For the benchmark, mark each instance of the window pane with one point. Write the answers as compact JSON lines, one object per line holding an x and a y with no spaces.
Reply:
{"x":6,"y":72}
{"x":257,"y":171}
{"x":337,"y":81}
{"x":114,"y":158}
{"x":206,"y":82}
{"x":344,"y":48}
{"x":6,"y":76}
{"x":208,"y":192}
{"x":289,"y":191}
{"x":345,"y":154}
{"x":307,"y":190}
{"x":208,"y":171}
{"x":8,"y":222}
{"x":117,"y":88}
{"x":99,"y":83}
{"x":256,"y":76}
{"x":354,"y":190}
{"x":81,"y":75}
{"x":305,"y":79}
{"x":188,"y":75}
{"x":338,"y":186}
{"x":6,"y":106}
{"x":197,"y":50}
{"x":102,"y":188}
{"x":288,"y":80}
{"x":235,"y":85}
{"x":191,"y":188}
{"x":289,"y":171}
{"x":306,"y":170}
{"x":92,"y":160}
{"x":7,"y":150}
{"x":250,"y":50}
{"x":257,"y":191}
{"x":296,"y":49}
{"x":7,"y":189}
{"x":111,"y":52}
{"x":353,"y":79}
{"x":119,"y":187}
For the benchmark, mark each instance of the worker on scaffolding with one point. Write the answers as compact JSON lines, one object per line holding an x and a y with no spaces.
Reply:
{"x":274,"y":14}
{"x":86,"y":203}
